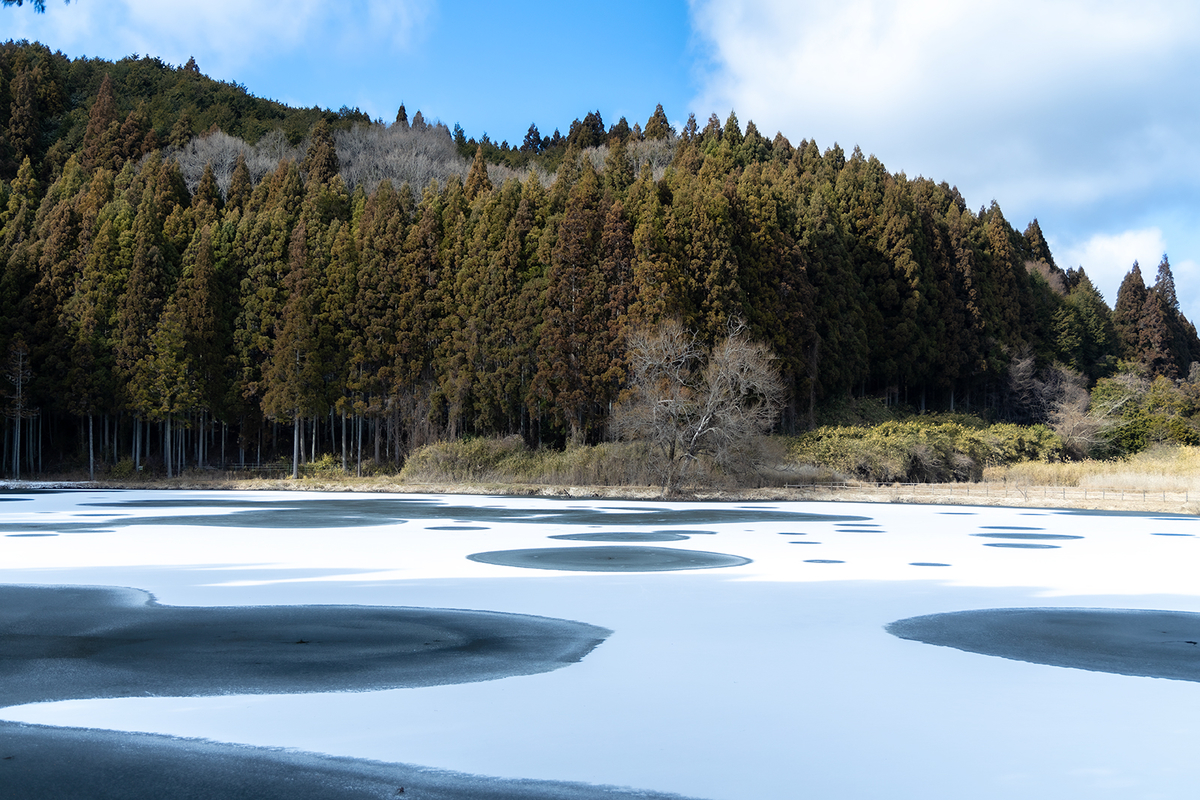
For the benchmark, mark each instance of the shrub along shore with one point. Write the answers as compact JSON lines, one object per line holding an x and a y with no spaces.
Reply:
{"x":947,"y":462}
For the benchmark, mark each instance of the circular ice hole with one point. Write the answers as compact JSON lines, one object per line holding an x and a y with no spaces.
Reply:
{"x":623,"y":536}
{"x":1009,"y":528}
{"x":1025,"y":545}
{"x":1047,"y":536}
{"x":614,"y":558}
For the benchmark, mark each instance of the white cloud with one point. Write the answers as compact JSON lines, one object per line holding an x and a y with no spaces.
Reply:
{"x":225,"y":36}
{"x":968,"y":88}
{"x":1071,"y":111}
{"x":1107,"y":257}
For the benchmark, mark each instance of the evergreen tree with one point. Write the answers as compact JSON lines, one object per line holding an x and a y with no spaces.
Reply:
{"x":239,"y":184}
{"x":320,"y":163}
{"x":100,"y":148}
{"x":658,"y":126}
{"x":1164,"y":284}
{"x":1127,"y":313}
{"x":532,"y":143}
{"x":570,"y":327}
{"x":477,"y":178}
{"x":1083,"y":331}
{"x":294,"y":375}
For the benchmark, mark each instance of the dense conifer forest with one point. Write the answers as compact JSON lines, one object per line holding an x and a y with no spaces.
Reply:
{"x":189,"y":274}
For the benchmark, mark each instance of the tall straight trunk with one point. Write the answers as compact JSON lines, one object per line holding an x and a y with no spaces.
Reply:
{"x":91,"y":451}
{"x":296,"y":448}
{"x":315,"y":422}
{"x":17,"y":439}
{"x":359,"y":421}
{"x":167,"y":445}
{"x":343,"y":440}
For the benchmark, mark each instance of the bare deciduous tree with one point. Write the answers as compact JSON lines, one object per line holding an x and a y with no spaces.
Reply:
{"x":689,"y":405}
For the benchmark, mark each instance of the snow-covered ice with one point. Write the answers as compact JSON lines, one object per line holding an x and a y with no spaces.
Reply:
{"x":770,"y":679}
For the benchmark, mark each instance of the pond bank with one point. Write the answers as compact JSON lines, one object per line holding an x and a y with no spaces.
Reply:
{"x":968,"y":494}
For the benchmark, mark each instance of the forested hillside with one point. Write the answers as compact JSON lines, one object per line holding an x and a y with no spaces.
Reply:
{"x":188,"y":269}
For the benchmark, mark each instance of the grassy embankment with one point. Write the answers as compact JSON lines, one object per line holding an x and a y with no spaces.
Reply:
{"x":928,"y":459}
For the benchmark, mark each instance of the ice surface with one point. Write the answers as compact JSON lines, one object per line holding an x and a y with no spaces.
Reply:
{"x":774,"y":679}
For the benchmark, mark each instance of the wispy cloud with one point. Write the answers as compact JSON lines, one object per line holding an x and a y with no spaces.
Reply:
{"x":1109,"y":256}
{"x":1076,"y":112}
{"x":976,"y":93}
{"x":227,"y":36}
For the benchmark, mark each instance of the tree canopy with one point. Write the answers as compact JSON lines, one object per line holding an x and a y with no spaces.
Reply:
{"x":273,"y":281}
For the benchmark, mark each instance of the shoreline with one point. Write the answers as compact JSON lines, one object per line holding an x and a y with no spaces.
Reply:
{"x":960,"y":494}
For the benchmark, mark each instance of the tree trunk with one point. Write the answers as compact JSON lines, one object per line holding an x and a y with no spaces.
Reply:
{"x":167,"y":454}
{"x":91,"y":452}
{"x":296,"y":436}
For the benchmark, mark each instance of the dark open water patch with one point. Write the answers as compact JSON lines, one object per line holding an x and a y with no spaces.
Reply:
{"x":1154,"y":644}
{"x":74,"y":642}
{"x":28,"y":535}
{"x":823,"y":561}
{"x":805,"y":542}
{"x":1022,"y":545}
{"x":1097,"y":512}
{"x":927,"y":564}
{"x":43,"y":762}
{"x":623,"y":536}
{"x":457,"y":528}
{"x":340,"y":512}
{"x":61,"y":643}
{"x":616,"y":558}
{"x":1049,"y":536}
{"x":1172,"y":534}
{"x":1010,"y":528}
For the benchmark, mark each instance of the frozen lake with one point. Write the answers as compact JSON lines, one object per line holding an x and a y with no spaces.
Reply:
{"x":723,"y":650}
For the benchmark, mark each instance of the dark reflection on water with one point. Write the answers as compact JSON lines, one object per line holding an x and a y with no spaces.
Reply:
{"x":1050,"y":536}
{"x":1156,"y":644}
{"x":622,"y":536}
{"x":1010,"y":528}
{"x":1022,"y":545}
{"x":340,"y":512}
{"x":617,"y":558}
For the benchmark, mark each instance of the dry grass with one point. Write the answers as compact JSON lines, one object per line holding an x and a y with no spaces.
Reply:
{"x":1160,"y":469}
{"x":1161,"y":479}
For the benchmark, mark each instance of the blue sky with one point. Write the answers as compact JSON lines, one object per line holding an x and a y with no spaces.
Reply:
{"x":1080,"y":113}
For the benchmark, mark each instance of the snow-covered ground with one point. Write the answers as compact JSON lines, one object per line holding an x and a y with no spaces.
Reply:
{"x":772,"y":679}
